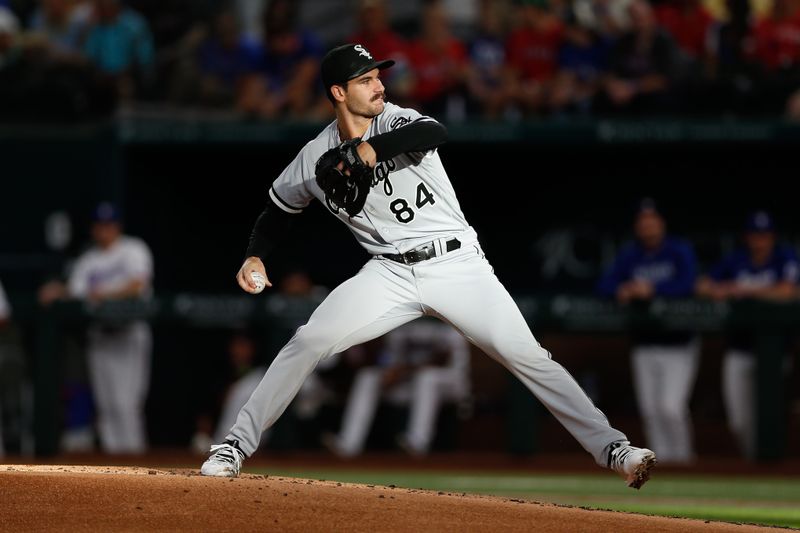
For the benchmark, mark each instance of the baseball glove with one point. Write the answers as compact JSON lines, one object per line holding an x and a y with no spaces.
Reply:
{"x":346,"y":188}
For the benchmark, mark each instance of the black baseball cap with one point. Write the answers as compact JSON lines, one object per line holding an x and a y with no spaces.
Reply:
{"x":346,"y":62}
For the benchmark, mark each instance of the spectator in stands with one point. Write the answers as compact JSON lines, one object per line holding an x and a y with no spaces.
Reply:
{"x":777,"y":48}
{"x":488,"y":89}
{"x":170,"y":21}
{"x":285,"y":77}
{"x":734,"y":75}
{"x":606,"y":18}
{"x":582,"y":60}
{"x":689,"y":23}
{"x":38,"y":84}
{"x":120,"y":46}
{"x":462,"y":15}
{"x":532,"y":51}
{"x":377,"y":36}
{"x":777,"y":37}
{"x":212,"y":72}
{"x":641,"y":64}
{"x":249,"y":17}
{"x":664,"y":363}
{"x":439,"y":64}
{"x":763,"y":269}
{"x":117,"y":267}
{"x":425,"y":363}
{"x":63,"y":25}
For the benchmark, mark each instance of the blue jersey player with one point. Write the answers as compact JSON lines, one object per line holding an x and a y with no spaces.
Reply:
{"x":762,"y":269}
{"x":665,"y":364}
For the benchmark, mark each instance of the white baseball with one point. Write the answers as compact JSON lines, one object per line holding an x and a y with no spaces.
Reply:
{"x":260,"y":281}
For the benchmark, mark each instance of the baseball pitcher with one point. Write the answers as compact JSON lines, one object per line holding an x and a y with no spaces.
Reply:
{"x":376,"y":169}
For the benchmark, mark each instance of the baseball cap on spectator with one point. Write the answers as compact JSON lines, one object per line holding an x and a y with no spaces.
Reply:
{"x":760,"y":221}
{"x":106,"y":212}
{"x":346,"y":62}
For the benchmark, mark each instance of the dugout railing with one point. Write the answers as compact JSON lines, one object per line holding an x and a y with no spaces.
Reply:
{"x":770,"y":323}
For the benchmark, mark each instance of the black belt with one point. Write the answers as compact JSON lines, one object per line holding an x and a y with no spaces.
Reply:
{"x":422,"y":253}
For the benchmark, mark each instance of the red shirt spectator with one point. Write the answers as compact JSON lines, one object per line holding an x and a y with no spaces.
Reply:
{"x":438,"y":60}
{"x":533,"y":50}
{"x":689,"y":24}
{"x":436,"y":72}
{"x":778,"y":37}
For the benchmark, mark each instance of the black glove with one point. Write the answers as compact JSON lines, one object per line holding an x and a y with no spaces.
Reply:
{"x":342,"y":191}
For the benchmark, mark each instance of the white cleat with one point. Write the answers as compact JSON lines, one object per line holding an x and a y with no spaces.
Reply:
{"x":634,"y":464}
{"x":225,"y":461}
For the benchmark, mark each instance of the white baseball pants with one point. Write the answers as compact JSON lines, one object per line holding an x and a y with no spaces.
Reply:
{"x":119,"y":370}
{"x":460,"y":288}
{"x":739,"y":395}
{"x":664,"y":377}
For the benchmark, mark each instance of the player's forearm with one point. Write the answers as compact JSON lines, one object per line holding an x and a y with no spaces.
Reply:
{"x":419,"y":136}
{"x":270,"y":227}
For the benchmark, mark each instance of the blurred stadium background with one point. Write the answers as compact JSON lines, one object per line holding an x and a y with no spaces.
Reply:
{"x":562,"y":115}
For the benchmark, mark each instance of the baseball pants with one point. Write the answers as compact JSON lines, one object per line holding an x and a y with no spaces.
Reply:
{"x":460,"y":288}
{"x":739,"y":395}
{"x":119,"y":370}
{"x":664,"y":377}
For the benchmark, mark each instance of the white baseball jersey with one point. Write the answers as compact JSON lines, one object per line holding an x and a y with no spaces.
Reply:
{"x":126,"y":260}
{"x":412,"y":201}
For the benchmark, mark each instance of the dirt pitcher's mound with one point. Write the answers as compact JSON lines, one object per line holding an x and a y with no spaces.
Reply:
{"x":83,"y":498}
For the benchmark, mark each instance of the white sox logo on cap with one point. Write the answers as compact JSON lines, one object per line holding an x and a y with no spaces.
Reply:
{"x":362,"y":51}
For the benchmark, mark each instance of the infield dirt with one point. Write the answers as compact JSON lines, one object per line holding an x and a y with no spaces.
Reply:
{"x":96,"y":498}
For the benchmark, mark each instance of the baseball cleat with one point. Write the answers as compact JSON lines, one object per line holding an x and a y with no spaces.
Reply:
{"x":634,"y":464}
{"x":225,"y":461}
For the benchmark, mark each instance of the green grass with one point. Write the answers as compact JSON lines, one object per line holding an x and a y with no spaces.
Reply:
{"x":767,"y":501}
